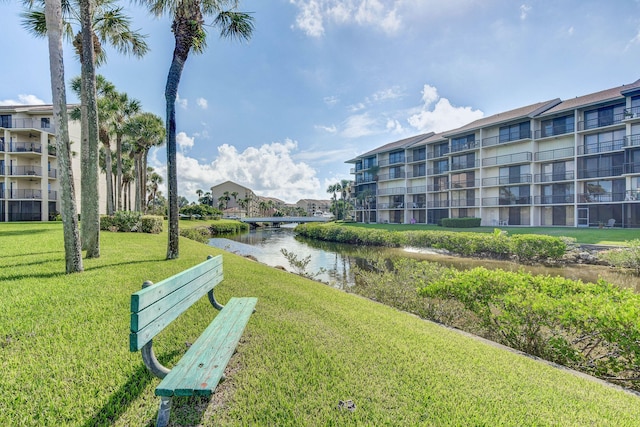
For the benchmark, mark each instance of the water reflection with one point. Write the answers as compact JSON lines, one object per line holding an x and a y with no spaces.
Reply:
{"x":334,"y":262}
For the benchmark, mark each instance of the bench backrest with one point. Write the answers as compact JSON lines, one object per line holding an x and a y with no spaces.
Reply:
{"x":155,"y":307}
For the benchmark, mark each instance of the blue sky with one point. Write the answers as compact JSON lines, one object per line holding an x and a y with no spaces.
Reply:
{"x":323,"y":81}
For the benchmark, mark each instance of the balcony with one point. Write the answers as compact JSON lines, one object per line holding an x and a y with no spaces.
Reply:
{"x":632,"y":141}
{"x":53,"y":173}
{"x":506,"y":180}
{"x":416,"y":174}
{"x":393,"y":161}
{"x":388,"y":191}
{"x":456,"y":165}
{"x":556,"y":199}
{"x":506,"y":201}
{"x":601,"y":122}
{"x":416,"y":205}
{"x":554,"y":131}
{"x":498,"y":140}
{"x":417,"y":190}
{"x":2,"y":145}
{"x":599,"y":173}
{"x":629,"y":196}
{"x":438,"y":187}
{"x":469,"y":183}
{"x":601,"y":197}
{"x":632,"y":167}
{"x":388,"y":206}
{"x":438,"y":171}
{"x":465,"y":147}
{"x":523,"y":157}
{"x":558,"y":153}
{"x":25,"y":194}
{"x":465,"y":203}
{"x":603,"y":147}
{"x":30,"y":123}
{"x":437,"y":153}
{"x":555,"y":177}
{"x":53,"y":195}
{"x":391,"y":176}
{"x":418,"y":158}
{"x":438,"y":204}
{"x":25,"y":171}
{"x":25,"y":147}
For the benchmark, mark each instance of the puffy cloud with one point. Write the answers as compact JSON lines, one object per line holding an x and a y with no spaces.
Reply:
{"x":184,"y":141}
{"x":359,"y":125}
{"x":524,"y":11}
{"x":202,"y":103}
{"x":443,"y":116}
{"x":331,"y":100}
{"x":23,"y":100}
{"x":310,"y":17}
{"x":269,"y":170}
{"x":328,"y":129}
{"x":182,"y":102}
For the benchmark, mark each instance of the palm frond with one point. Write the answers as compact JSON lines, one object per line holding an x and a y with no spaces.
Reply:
{"x":235,"y":25}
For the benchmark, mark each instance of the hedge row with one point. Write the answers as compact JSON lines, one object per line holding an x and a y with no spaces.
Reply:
{"x":228,"y":227}
{"x":129,"y":221}
{"x":460,"y":222}
{"x":526,"y":247}
{"x":590,"y":327}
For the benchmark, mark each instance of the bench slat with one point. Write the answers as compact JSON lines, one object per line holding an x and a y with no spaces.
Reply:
{"x":148,"y":296}
{"x":200,"y":369}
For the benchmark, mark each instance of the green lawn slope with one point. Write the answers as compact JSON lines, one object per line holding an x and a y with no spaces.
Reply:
{"x":64,"y":355}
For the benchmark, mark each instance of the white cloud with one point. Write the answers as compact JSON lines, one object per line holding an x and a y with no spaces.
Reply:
{"x":23,"y":100}
{"x":359,"y":125}
{"x":269,"y":170}
{"x":184,"y":141}
{"x":524,"y":11}
{"x":310,"y":19}
{"x":202,"y":103}
{"x":331,"y":100}
{"x":383,"y":95}
{"x":443,"y":116}
{"x":182,"y":102}
{"x":329,"y":129}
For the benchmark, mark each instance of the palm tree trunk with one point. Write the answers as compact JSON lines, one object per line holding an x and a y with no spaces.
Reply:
{"x":72,"y":245}
{"x":119,"y":172}
{"x":108,"y":166}
{"x":90,"y":154}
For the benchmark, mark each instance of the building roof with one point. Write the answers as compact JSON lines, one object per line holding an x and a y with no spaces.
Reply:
{"x":403,"y":143}
{"x":593,"y":98}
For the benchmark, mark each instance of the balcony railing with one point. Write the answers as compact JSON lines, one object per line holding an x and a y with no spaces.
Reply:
{"x":25,"y":216}
{"x":25,"y":170}
{"x":417,"y":190}
{"x":601,"y":197}
{"x":416,"y":205}
{"x":390,"y":176}
{"x":601,"y":147}
{"x":1,"y":196}
{"x":387,"y":191}
{"x":2,"y":145}
{"x":25,"y":194}
{"x":464,"y":147}
{"x":457,"y":165}
{"x":506,"y":201}
{"x":25,"y":147}
{"x":506,"y":180}
{"x":496,"y":140}
{"x":554,"y":131}
{"x":465,"y":203}
{"x":601,"y":122}
{"x":416,"y":174}
{"x":438,"y":187}
{"x":53,"y":195}
{"x":398,"y":205}
{"x":387,"y":162}
{"x":523,"y":157}
{"x":632,"y":140}
{"x":632,"y":196}
{"x":632,"y":167}
{"x":437,"y":153}
{"x":599,"y":173}
{"x":554,"y":177}
{"x":469,"y":183}
{"x":558,"y":153}
{"x":438,"y":204}
{"x":53,"y":173}
{"x":554,"y":199}
{"x":31,"y":123}
{"x":418,"y":158}
{"x":438,"y":171}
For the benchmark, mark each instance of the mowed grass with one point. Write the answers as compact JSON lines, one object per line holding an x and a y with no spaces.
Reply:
{"x":589,"y":235}
{"x":64,"y":356}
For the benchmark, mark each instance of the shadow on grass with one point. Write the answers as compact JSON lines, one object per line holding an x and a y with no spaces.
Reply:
{"x":24,"y":232}
{"x":62,"y":273}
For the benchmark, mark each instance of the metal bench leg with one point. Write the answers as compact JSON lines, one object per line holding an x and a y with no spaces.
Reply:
{"x":163,"y":412}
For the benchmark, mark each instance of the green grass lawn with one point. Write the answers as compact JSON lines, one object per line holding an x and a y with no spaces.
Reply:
{"x":64,"y":352}
{"x":591,"y":235}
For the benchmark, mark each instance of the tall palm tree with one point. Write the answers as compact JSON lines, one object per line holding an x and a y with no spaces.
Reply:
{"x":154,"y":180}
{"x":188,"y":28}
{"x":334,"y":189}
{"x":100,"y":22}
{"x":72,"y":244}
{"x":125,"y":109}
{"x":146,"y":130}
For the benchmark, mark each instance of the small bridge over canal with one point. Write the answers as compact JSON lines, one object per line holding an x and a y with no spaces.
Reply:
{"x":276,"y":221}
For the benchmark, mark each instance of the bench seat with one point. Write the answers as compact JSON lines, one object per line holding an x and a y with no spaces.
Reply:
{"x":203,"y":365}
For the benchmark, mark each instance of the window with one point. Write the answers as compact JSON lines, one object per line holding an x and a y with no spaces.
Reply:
{"x":396,"y":172}
{"x":515,"y":132}
{"x":514,"y":174}
{"x":463,"y":180}
{"x":396,"y":157}
{"x":419,"y":154}
{"x":518,"y":195}
{"x":463,"y":162}
{"x":5,"y":120}
{"x":369,"y":162}
{"x":419,"y":170}
{"x":440,"y":183}
{"x":440,"y":166}
{"x":557,"y":126}
{"x":463,"y":143}
{"x":603,"y":141}
{"x":440,"y":150}
{"x":45,"y":123}
{"x":603,"y":165}
{"x":557,"y":171}
{"x":604,"y":116}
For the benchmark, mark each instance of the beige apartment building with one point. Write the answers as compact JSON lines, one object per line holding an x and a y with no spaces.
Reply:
{"x":29,"y":180}
{"x":555,"y":163}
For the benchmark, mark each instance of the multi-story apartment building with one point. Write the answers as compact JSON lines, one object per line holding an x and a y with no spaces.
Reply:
{"x":29,"y":183}
{"x":554,"y":163}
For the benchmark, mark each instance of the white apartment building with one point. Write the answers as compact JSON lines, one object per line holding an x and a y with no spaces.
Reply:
{"x":29,"y":174}
{"x":555,"y":163}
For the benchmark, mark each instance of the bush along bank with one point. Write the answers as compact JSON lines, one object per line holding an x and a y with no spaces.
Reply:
{"x":524,"y":248}
{"x":590,"y":327}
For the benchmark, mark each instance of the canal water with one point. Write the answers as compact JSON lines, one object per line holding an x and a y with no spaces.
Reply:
{"x":333,"y":263}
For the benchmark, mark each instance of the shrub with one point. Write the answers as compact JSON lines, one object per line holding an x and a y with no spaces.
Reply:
{"x":628,"y":257}
{"x":199,"y":234}
{"x":227,"y":227}
{"x":460,"y":222}
{"x":107,"y":223}
{"x":151,"y":224}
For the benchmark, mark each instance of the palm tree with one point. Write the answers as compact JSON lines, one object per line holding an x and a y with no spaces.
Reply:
{"x":146,"y":130}
{"x":100,"y":22}
{"x":199,"y":193}
{"x":334,"y":189}
{"x":154,"y":180}
{"x":72,"y":244}
{"x":188,"y":28}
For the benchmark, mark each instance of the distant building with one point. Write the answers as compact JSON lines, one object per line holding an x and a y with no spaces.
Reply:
{"x":311,"y":206}
{"x":569,"y":163}
{"x":29,"y":171}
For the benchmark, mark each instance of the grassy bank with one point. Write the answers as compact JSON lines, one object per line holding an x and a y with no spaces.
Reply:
{"x":65,"y":360}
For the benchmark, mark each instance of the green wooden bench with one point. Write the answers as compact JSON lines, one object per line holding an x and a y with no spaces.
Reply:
{"x":202,"y":367}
